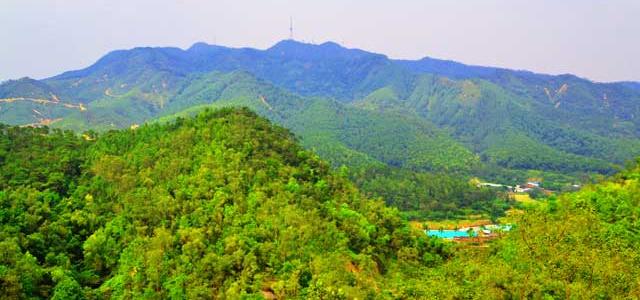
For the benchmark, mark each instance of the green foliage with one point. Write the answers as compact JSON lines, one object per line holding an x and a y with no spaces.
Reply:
{"x":225,"y":205}
{"x":397,"y":141}
{"x":431,"y":196}
{"x":505,"y":128}
{"x":580,"y":245}
{"x":222,"y":205}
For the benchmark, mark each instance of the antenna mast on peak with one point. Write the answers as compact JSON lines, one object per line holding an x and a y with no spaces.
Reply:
{"x":291,"y":28}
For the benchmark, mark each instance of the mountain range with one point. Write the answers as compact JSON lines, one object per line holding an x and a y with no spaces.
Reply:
{"x":357,"y":108}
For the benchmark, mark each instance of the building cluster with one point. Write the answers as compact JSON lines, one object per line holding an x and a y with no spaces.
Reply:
{"x":520,"y":188}
{"x":524,"y":188}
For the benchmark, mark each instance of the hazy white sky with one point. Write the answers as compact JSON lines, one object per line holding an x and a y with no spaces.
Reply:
{"x":597,"y":39}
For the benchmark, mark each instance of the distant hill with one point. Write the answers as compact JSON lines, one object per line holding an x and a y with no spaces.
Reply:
{"x":29,"y":101}
{"x":633,"y":85}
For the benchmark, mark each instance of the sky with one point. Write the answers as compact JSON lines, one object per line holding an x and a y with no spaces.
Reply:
{"x":595,"y":39}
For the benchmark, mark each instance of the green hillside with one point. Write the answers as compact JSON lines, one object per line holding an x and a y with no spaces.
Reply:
{"x":222,"y":205}
{"x":226,"y":205}
{"x":29,"y":101}
{"x":579,"y":245}
{"x":504,"y":128}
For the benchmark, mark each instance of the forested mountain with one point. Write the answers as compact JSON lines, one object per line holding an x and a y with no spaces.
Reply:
{"x":223,"y":205}
{"x":226,"y":205}
{"x":29,"y":101}
{"x":359,"y":109}
{"x":511,"y":130}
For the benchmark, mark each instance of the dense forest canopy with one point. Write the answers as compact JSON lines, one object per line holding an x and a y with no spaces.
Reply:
{"x":581,"y":245}
{"x":226,"y":205}
{"x":432,"y":196}
{"x":222,"y":205}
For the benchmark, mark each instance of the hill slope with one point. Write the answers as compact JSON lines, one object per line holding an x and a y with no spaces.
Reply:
{"x":582,"y":244}
{"x":506,"y":129}
{"x":341,"y":133}
{"x":222,"y":205}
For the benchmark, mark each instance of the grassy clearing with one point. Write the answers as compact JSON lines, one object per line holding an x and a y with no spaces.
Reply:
{"x":523,"y":198}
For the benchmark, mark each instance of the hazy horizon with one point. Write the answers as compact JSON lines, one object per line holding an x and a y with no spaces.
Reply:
{"x":591,"y":39}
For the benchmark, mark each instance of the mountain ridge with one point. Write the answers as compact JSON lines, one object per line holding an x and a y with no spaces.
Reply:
{"x":430,"y":62}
